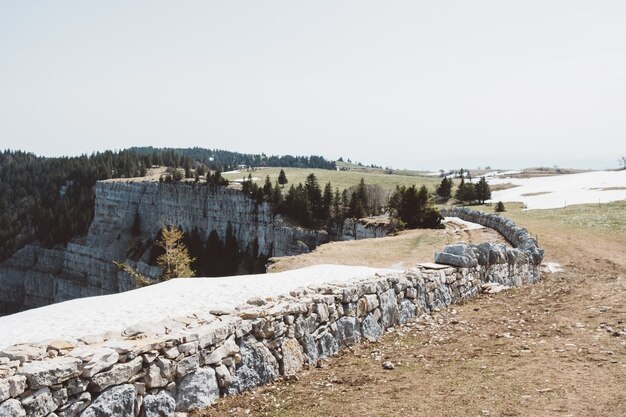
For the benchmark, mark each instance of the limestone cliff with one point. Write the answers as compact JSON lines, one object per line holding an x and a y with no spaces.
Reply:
{"x":37,"y":276}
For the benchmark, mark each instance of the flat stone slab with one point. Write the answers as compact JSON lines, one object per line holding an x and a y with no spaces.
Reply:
{"x":432,"y":265}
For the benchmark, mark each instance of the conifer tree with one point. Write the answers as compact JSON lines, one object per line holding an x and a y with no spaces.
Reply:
{"x":175,"y":261}
{"x":282,"y":178}
{"x":483,"y":191}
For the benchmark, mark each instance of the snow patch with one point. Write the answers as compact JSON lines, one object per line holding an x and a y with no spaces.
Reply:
{"x":466,"y":225}
{"x":563,"y":190}
{"x":174,"y":298}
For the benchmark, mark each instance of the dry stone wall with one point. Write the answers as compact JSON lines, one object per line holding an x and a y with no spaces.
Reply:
{"x":185,"y":363}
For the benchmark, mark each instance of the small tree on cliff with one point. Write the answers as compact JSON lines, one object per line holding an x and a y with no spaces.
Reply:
{"x":176,"y":261}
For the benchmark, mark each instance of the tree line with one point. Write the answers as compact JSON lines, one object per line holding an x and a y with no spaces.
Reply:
{"x":219,"y":159}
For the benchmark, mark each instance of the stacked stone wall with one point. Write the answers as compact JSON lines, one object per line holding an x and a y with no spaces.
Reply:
{"x":186,"y":363}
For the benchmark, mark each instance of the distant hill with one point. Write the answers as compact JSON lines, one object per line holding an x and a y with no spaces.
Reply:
{"x":228,"y":161}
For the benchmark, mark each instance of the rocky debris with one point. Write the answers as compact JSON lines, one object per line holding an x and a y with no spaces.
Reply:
{"x":190,"y":360}
{"x":388,"y":365}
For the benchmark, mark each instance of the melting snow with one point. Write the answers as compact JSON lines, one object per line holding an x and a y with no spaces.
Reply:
{"x":563,"y":190}
{"x":177,"y":297}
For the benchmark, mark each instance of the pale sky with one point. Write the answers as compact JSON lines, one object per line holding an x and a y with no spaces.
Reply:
{"x":409,"y":84}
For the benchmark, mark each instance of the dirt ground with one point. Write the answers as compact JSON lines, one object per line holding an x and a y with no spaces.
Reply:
{"x":556,"y":348}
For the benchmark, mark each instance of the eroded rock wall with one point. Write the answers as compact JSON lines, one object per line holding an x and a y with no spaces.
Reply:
{"x":37,"y":276}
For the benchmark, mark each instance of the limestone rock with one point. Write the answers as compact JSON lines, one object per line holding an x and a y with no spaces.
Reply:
{"x":407,"y":311}
{"x":229,"y":348}
{"x":224,"y":378}
{"x":75,"y":405}
{"x":24,"y":353}
{"x":50,"y":372}
{"x":327,"y":345}
{"x":370,"y":328}
{"x":5,"y":389}
{"x":117,"y":401}
{"x":118,"y":374}
{"x":17,"y":385}
{"x":348,"y":331}
{"x":197,"y":390}
{"x":40,"y":403}
{"x":389,"y":309}
{"x":159,"y":405}
{"x":258,"y":366}
{"x":12,"y":408}
{"x":292,"y":357}
{"x":97,"y":359}
{"x":187,"y":365}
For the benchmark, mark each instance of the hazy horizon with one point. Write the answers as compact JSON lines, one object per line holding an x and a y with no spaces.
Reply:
{"x":405,"y":84}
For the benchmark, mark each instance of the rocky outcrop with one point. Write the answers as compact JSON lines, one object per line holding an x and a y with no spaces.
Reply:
{"x":368,"y":228}
{"x":37,"y":276}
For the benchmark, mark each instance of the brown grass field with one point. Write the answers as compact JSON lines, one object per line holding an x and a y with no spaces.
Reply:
{"x":556,"y":348}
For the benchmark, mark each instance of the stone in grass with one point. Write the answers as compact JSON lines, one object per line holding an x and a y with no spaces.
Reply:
{"x":388,"y":365}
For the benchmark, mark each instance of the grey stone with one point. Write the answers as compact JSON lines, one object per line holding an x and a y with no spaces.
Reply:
{"x":370,"y":328}
{"x":75,"y":405}
{"x":407,"y":311}
{"x":116,"y":401}
{"x":162,"y":404}
{"x":389,"y":308}
{"x":292,"y":359}
{"x":229,"y":348}
{"x":97,"y":359}
{"x":50,"y":372}
{"x":12,"y":408}
{"x":348,"y":331}
{"x":17,"y":385}
{"x":118,"y":374}
{"x":327,"y":345}
{"x":40,"y":403}
{"x":160,"y":373}
{"x":24,"y":353}
{"x":258,"y":366}
{"x":5,"y":389}
{"x":197,"y":390}
{"x":187,"y":365}
{"x":77,"y":385}
{"x":224,"y":378}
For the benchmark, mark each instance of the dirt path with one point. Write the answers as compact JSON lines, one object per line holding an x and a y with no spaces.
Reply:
{"x":557,"y":348}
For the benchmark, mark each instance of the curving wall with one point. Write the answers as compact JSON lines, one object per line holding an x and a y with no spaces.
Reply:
{"x":187,"y":362}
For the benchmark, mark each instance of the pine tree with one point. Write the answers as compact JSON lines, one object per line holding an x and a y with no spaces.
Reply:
{"x":176,"y":261}
{"x":444,"y":190}
{"x":500,"y":207}
{"x":327,"y":201}
{"x":282,"y":178}
{"x":267,"y":188}
{"x":483,"y":191}
{"x":213,"y":261}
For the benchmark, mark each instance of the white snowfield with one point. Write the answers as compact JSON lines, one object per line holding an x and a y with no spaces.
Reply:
{"x":563,"y":190}
{"x":175,"y":298}
{"x":465,"y":224}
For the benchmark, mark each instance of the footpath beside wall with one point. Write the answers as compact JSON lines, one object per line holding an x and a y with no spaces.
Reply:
{"x":186,"y":363}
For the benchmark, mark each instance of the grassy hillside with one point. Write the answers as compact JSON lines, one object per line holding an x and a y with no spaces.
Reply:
{"x":341,"y":179}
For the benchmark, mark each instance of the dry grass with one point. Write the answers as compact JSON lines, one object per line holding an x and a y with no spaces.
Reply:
{"x":340,"y":179}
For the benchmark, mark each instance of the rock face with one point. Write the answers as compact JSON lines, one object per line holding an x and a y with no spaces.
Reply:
{"x":36,"y":276}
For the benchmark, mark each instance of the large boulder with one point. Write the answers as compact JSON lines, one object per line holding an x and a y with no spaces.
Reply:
{"x":461,"y":254}
{"x":258,"y":366}
{"x":159,"y":405}
{"x":117,"y":401}
{"x":197,"y":390}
